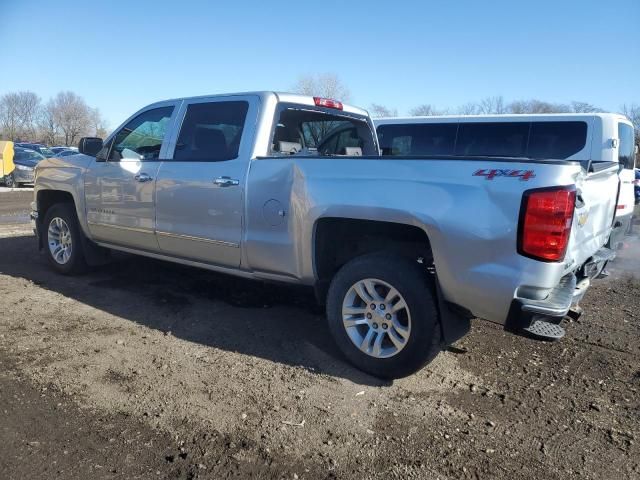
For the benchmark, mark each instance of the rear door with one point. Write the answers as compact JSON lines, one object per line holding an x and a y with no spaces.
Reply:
{"x":120,"y":181}
{"x":199,"y":192}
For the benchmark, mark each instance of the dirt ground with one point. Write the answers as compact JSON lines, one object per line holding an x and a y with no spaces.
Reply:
{"x":142,"y":369}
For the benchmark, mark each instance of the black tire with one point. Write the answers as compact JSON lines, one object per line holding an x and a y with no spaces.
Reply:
{"x":76,"y":262}
{"x":418,"y":291}
{"x":9,"y":181}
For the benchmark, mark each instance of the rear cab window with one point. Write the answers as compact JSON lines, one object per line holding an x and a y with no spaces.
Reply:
{"x":306,"y":131}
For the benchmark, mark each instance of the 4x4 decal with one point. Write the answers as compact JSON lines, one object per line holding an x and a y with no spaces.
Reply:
{"x":492,"y":173}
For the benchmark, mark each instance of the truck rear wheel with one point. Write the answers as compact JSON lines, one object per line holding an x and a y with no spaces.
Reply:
{"x":63,"y":239}
{"x":382,"y":314}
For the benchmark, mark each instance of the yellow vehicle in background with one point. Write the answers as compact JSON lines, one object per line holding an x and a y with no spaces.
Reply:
{"x":6,"y":163}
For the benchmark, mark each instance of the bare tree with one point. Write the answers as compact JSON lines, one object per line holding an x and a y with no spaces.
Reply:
{"x":18,"y":115}
{"x":327,"y":85}
{"x":47,"y":126}
{"x":584,"y":107}
{"x":632,"y":112}
{"x":378,"y":111}
{"x":9,"y":118}
{"x":469,"y":108}
{"x":28,"y":109}
{"x":491,"y":105}
{"x":537,"y":106}
{"x":72,"y":115}
{"x":97,"y":123}
{"x":426,"y":110}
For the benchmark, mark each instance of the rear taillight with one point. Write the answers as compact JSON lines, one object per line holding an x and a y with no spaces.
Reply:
{"x":327,"y":103}
{"x":545,"y":223}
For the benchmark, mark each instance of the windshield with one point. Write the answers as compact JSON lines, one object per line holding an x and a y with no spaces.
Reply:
{"x":304,"y":131}
{"x":47,"y":152}
{"x":29,"y":155}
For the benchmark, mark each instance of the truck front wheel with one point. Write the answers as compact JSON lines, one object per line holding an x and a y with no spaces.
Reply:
{"x":382,"y":314}
{"x":63,"y":239}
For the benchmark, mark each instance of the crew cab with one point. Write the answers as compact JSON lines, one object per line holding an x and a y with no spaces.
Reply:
{"x":403,"y":250}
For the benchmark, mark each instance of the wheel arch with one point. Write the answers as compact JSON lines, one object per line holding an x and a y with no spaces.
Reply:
{"x":336,"y":240}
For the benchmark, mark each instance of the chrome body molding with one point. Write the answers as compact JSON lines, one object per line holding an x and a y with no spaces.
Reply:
{"x":198,"y":239}
{"x":121,"y":227}
{"x":166,"y":234}
{"x":207,"y":266}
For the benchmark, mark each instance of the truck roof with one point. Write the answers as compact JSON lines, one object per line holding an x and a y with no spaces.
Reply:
{"x":279,"y":96}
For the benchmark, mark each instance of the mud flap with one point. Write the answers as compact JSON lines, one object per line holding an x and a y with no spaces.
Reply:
{"x":455,"y":321}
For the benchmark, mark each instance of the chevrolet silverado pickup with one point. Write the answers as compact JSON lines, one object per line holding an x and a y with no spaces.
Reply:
{"x":402,"y":250}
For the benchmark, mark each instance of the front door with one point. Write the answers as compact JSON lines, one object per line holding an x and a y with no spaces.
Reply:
{"x":120,"y":182}
{"x":199,"y":191}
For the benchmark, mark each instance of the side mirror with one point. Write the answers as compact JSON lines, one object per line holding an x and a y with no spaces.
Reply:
{"x":90,"y":145}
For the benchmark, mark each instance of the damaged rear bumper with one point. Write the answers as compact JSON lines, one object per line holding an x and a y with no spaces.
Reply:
{"x":557,"y":303}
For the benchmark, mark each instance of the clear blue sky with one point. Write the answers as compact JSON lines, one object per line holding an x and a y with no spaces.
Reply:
{"x":122,"y":55}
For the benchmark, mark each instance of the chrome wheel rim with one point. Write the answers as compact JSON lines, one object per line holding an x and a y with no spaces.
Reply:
{"x":376,"y":318}
{"x":59,"y":239}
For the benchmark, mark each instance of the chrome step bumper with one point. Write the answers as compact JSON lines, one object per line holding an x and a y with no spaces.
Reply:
{"x":559,"y":300}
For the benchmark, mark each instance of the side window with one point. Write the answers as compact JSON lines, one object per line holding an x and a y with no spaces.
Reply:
{"x":401,"y":145}
{"x":626,"y":146}
{"x":493,"y":139}
{"x":418,"y":139}
{"x":141,"y":138}
{"x":211,"y":131}
{"x":556,"y":140}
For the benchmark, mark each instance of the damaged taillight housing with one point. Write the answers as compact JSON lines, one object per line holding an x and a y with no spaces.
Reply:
{"x":546,"y":216}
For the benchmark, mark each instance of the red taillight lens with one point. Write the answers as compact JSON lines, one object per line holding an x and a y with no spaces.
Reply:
{"x":545,"y":223}
{"x":327,"y":103}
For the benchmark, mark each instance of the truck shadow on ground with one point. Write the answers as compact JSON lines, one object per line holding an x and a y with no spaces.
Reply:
{"x":280,"y":323}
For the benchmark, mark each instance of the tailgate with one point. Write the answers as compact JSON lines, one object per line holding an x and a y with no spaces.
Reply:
{"x":596,"y":195}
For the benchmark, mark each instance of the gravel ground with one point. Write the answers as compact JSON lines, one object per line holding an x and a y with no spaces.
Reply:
{"x":142,"y":369}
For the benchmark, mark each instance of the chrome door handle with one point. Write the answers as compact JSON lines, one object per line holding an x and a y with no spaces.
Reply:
{"x":226,"y":182}
{"x":143,"y":177}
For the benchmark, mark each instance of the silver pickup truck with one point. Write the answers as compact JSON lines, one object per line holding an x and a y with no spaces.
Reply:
{"x":403,"y":251}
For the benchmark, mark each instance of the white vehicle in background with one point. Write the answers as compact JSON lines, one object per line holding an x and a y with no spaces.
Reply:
{"x":594,"y":139}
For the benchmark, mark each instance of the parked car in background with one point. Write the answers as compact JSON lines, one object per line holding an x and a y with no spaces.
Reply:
{"x":57,"y":150}
{"x":25,"y":161}
{"x":44,"y":150}
{"x":66,"y":153}
{"x":636,"y":186}
{"x":594,"y":140}
{"x":403,"y":251}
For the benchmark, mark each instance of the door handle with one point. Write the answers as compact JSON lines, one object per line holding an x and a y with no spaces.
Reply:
{"x":143,"y":177}
{"x":226,"y":182}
